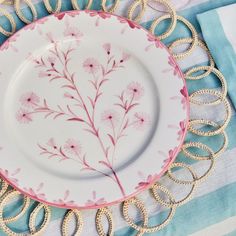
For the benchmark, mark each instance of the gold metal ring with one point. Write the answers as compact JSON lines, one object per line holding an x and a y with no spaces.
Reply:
{"x":25,"y":206}
{"x":67,"y":219}
{"x":49,"y":7}
{"x":4,"y":186}
{"x":76,"y":6}
{"x":12,"y":22}
{"x":216,"y":154}
{"x":172,"y":15}
{"x":141,"y":207}
{"x":32,"y":219}
{"x":100,"y":213}
{"x":112,"y":8}
{"x":183,"y":165}
{"x":21,"y":15}
{"x":178,"y":203}
{"x":218,"y":100}
{"x":10,"y":195}
{"x":220,"y":128}
{"x":203,"y":46}
{"x":133,"y":6}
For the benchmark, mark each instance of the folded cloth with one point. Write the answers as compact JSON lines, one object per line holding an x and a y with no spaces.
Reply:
{"x":219,"y":32}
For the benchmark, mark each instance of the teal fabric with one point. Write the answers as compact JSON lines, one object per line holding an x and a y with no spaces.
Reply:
{"x":200,"y":212}
{"x":185,"y":222}
{"x":231,"y":234}
{"x":217,"y":42}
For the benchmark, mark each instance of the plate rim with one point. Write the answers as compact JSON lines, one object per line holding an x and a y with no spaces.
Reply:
{"x":156,"y":178}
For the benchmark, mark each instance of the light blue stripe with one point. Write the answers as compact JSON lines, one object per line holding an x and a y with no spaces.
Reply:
{"x":191,"y":13}
{"x":232,"y":233}
{"x":221,"y":49}
{"x":196,"y":215}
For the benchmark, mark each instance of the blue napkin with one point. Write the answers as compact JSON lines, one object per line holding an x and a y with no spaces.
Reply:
{"x":219,"y":32}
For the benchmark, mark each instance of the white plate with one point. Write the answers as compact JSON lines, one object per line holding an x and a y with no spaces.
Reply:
{"x":93,"y":109}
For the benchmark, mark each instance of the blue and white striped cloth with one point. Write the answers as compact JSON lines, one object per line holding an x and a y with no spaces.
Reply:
{"x":212,"y":211}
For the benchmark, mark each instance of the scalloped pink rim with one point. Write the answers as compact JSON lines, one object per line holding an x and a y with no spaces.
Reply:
{"x":140,"y":189}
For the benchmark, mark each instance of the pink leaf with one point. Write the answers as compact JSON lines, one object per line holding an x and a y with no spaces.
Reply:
{"x":73,"y":77}
{"x":100,"y":94}
{"x":69,"y":109}
{"x":76,"y":119}
{"x":126,"y":124}
{"x":47,"y":115}
{"x":91,"y":101}
{"x":67,"y":193}
{"x":112,"y":139}
{"x":132,"y":106}
{"x":107,"y":150}
{"x":68,"y":86}
{"x":117,"y":104}
{"x":45,"y":103}
{"x":102,"y":82}
{"x":53,"y":155}
{"x":16,"y":172}
{"x":103,"y":70}
{"x":93,"y":83}
{"x":105,"y":164}
{"x":58,"y":115}
{"x":91,"y":131}
{"x":40,"y":187}
{"x":62,"y":153}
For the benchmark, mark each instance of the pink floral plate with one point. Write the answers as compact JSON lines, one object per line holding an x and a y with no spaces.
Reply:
{"x":93,"y":109}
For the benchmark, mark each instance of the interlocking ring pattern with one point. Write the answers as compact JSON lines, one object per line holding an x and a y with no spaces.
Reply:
{"x":216,"y":128}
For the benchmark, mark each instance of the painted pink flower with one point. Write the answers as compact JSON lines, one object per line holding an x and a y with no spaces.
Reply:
{"x":51,"y":60}
{"x":125,"y":57}
{"x":74,"y":33}
{"x":91,"y":65}
{"x":73,"y":147}
{"x":68,"y":95}
{"x":43,"y":74}
{"x":51,"y":143}
{"x":135,"y":90}
{"x":29,"y":100}
{"x":23,"y":116}
{"x":107,"y":48}
{"x":141,"y":120}
{"x":50,"y":38}
{"x":95,"y":201}
{"x":150,"y":179}
{"x":175,"y":66}
{"x":110,"y":117}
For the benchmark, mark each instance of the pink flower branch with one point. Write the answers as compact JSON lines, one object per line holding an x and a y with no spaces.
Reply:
{"x":53,"y":73}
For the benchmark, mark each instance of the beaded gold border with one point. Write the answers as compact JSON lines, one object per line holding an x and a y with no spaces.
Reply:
{"x":217,"y":128}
